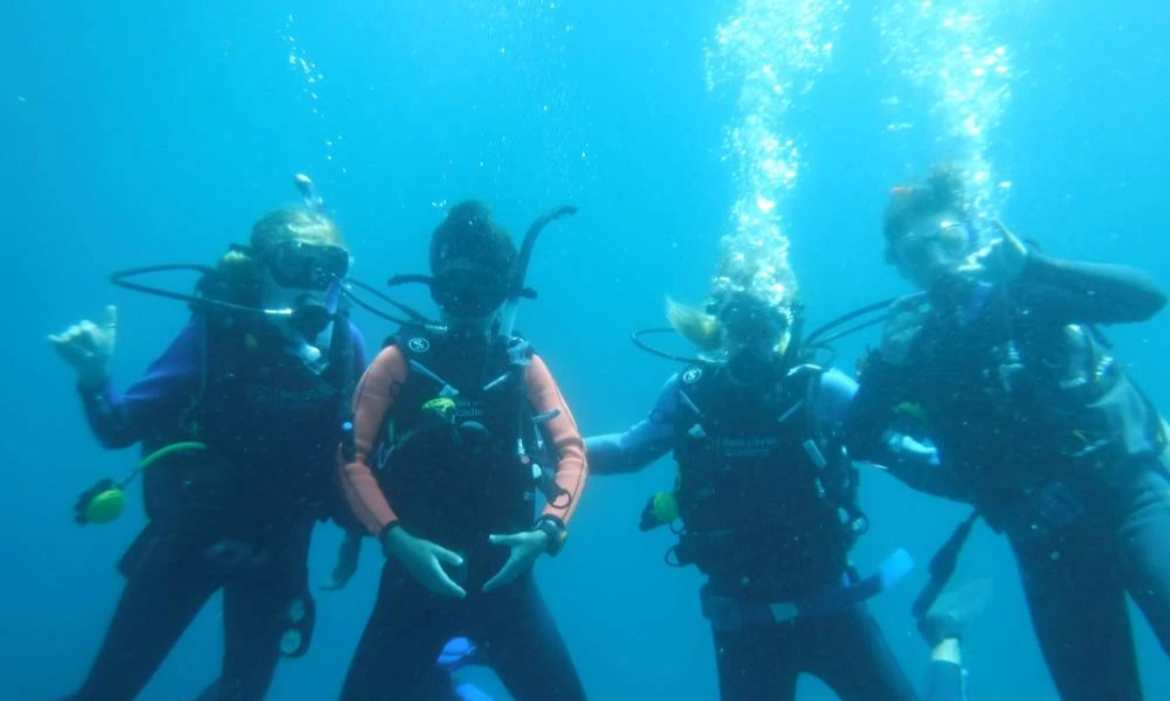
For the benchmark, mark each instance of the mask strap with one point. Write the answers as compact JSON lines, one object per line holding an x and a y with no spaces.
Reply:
{"x":410,"y":279}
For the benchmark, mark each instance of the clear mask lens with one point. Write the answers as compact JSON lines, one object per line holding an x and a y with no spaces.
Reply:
{"x":468,"y":293}
{"x":948,"y":238}
{"x":307,"y":266}
{"x":750,"y":322}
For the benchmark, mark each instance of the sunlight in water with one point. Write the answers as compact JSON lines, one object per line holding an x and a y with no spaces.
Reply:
{"x":771,"y":52}
{"x":946,"y":50}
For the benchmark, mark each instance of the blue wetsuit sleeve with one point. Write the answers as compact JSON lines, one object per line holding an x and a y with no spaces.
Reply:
{"x":639,"y":445}
{"x":152,"y":403}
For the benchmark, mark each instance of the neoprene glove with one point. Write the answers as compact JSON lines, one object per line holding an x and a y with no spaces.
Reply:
{"x":525,"y":547}
{"x":424,"y":560}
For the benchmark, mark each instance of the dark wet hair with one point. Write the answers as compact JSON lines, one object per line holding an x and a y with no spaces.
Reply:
{"x":944,"y":190}
{"x":468,"y":238}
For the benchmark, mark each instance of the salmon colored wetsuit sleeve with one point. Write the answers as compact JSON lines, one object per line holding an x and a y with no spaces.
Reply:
{"x":561,"y":432}
{"x":372,"y":401}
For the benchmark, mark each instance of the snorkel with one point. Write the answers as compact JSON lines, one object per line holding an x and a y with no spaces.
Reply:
{"x":520,"y":273}
{"x":309,"y":194}
{"x":514,"y":289}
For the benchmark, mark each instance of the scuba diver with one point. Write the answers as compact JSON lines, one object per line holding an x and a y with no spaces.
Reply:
{"x":997,"y":369}
{"x":765,"y":501}
{"x":239,"y":420}
{"x":449,"y":423}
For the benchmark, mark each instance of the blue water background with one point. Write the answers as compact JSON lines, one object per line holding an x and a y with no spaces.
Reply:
{"x":137,"y":133}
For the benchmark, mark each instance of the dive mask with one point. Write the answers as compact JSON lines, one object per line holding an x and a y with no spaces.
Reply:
{"x":307,"y":266}
{"x":750,"y":321}
{"x":917,"y":249}
{"x":469,"y":292}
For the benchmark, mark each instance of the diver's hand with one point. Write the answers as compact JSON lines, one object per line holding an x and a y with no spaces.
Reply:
{"x":1000,"y":261}
{"x":526,"y":547}
{"x":904,"y":323}
{"x":424,"y":560}
{"x":88,"y":347}
{"x":348,"y":556}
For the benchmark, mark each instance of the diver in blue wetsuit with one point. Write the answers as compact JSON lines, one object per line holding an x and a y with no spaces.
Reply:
{"x":239,"y":422}
{"x":765,"y":505}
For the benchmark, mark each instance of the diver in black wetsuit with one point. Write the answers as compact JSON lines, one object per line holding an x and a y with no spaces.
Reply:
{"x":445,"y":427}
{"x":998,"y":364}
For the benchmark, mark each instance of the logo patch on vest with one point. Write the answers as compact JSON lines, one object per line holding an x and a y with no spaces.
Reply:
{"x":748,"y":446}
{"x":419,"y":345}
{"x":692,"y":376}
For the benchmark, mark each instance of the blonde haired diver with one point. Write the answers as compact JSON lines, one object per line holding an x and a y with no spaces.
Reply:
{"x":765,"y":499}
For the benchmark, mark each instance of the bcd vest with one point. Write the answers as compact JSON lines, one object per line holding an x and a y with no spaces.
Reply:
{"x":272,"y":427}
{"x":1016,"y":404}
{"x":452,"y":458}
{"x":760,"y":486}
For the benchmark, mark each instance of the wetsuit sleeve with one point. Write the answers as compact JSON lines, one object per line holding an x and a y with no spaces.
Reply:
{"x":871,"y":413}
{"x":916,"y":464}
{"x":372,"y":400}
{"x":560,"y":432}
{"x":154,"y":402}
{"x":340,"y":511}
{"x":1066,"y":292}
{"x":873,"y":434}
{"x":641,"y":444}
